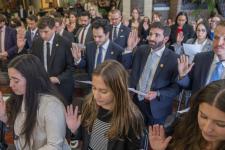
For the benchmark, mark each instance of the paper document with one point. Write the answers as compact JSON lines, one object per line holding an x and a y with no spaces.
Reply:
{"x":137,"y":92}
{"x":191,"y":50}
{"x":86,"y":82}
{"x":5,"y":98}
{"x":183,"y":111}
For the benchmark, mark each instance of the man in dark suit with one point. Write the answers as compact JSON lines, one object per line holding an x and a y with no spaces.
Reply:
{"x":7,"y":43}
{"x":118,"y":32}
{"x":154,"y":72}
{"x":100,"y":49}
{"x":206,"y":66}
{"x":60,"y":29}
{"x":84,"y":33}
{"x":32,"y":32}
{"x":54,"y":53}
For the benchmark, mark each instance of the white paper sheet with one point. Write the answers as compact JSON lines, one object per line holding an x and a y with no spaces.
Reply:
{"x":191,"y":50}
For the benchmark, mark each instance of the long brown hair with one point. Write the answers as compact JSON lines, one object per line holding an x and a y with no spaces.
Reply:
{"x":188,"y":134}
{"x":125,"y":114}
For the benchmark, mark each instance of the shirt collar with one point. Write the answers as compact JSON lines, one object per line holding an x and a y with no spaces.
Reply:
{"x":51,"y":40}
{"x":159,"y":52}
{"x":118,"y":26}
{"x":105,"y":45}
{"x":216,"y":60}
{"x":35,"y":30}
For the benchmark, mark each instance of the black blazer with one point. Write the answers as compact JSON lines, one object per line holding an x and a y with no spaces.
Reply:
{"x":68,"y":36}
{"x":60,"y":65}
{"x":89,"y":35}
{"x":187,"y":30}
{"x":122,"y":37}
{"x":88,"y":60}
{"x":28,"y":38}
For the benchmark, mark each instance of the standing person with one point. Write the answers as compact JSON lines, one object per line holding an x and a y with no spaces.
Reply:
{"x":206,"y":66}
{"x":60,"y":29}
{"x":7,"y":43}
{"x":110,"y":120}
{"x":202,"y":128}
{"x":55,"y":54}
{"x":181,"y":28}
{"x":154,"y":72}
{"x":201,"y":38}
{"x":84,"y":33}
{"x":135,"y":20}
{"x":118,"y":32}
{"x":32,"y":32}
{"x":35,"y":110}
{"x":99,"y":50}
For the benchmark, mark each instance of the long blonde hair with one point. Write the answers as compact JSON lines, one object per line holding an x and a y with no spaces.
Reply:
{"x":125,"y":114}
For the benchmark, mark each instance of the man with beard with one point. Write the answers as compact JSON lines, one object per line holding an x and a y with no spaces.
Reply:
{"x":154,"y":72}
{"x":84,"y":33}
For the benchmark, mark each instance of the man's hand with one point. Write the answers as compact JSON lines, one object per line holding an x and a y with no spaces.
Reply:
{"x":183,"y":66}
{"x":54,"y":80}
{"x":151,"y":95}
{"x":76,"y":52}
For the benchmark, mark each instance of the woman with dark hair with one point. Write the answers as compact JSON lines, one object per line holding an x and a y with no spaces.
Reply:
{"x":144,"y":28}
{"x":202,"y":128}
{"x":201,"y":39}
{"x":35,"y":110}
{"x":181,"y":29}
{"x":109,"y":118}
{"x":135,"y":20}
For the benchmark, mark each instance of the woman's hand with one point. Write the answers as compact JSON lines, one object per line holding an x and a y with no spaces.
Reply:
{"x":157,"y":138}
{"x":73,"y":121}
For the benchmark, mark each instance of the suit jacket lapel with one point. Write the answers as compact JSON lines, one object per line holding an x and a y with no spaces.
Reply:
{"x":93,"y":55}
{"x":109,"y":51}
{"x":206,"y":67}
{"x":55,"y":45}
{"x":161,"y":65}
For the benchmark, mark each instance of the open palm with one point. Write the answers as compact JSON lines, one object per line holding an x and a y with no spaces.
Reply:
{"x":73,"y":121}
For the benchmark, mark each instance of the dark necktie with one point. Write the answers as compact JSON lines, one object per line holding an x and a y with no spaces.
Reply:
{"x":32,"y":36}
{"x":82,"y":36}
{"x":114,"y":33}
{"x":48,"y":53}
{"x":99,"y":58}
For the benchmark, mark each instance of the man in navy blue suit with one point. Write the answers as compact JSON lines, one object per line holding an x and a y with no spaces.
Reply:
{"x":100,"y":49}
{"x":154,"y":72}
{"x":8,"y":46}
{"x":32,"y":32}
{"x":206,"y":66}
{"x":118,"y":32}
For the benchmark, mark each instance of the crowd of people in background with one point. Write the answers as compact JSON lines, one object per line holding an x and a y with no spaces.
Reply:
{"x":44,"y":54}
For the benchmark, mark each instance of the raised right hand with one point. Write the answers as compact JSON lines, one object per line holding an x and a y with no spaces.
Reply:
{"x":180,"y":37}
{"x":157,"y":138}
{"x":73,"y":121}
{"x":76,"y":52}
{"x":183,"y":66}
